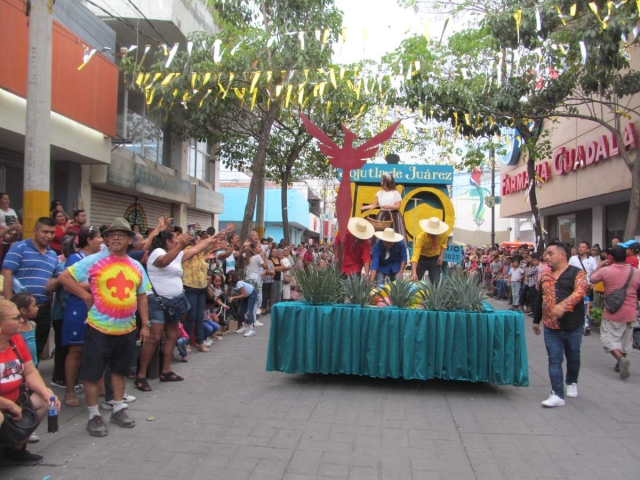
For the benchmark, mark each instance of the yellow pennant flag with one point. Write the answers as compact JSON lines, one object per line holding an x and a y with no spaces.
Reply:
{"x":278,"y":90}
{"x":332,"y":77}
{"x":175,"y":92}
{"x":328,"y":107}
{"x":517,"y":15}
{"x":207,"y":77}
{"x":344,"y":33}
{"x":288,"y":97}
{"x":455,"y":116}
{"x":560,"y":15}
{"x":325,"y":36}
{"x":321,"y":89}
{"x":194,"y":80}
{"x":572,"y":10}
{"x":467,"y":119}
{"x":315,"y":89}
{"x":594,"y":8}
{"x":139,"y":79}
{"x":149,"y":93}
{"x":269,"y":75}
{"x":186,"y":96}
{"x":222,"y":90}
{"x":491,"y":121}
{"x":204,"y":97}
{"x":342,"y":70}
{"x":254,"y":80}
{"x":253,"y":99}
{"x":167,"y":79}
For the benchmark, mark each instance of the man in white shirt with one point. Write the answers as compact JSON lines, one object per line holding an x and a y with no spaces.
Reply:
{"x":587,"y":263}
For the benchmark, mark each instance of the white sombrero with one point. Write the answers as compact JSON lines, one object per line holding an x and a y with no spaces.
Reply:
{"x":434,"y":226}
{"x":388,"y":235}
{"x":360,"y":228}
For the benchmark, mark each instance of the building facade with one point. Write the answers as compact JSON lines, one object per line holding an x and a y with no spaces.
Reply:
{"x":587,"y":186}
{"x":109,"y":156}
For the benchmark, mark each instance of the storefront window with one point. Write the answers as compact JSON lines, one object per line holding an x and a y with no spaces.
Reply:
{"x":145,"y":135}
{"x":567,"y":229}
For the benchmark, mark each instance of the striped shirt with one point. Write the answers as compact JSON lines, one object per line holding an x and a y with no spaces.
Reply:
{"x":31,"y":267}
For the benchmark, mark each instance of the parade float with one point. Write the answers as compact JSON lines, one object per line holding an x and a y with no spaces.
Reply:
{"x":409,"y":330}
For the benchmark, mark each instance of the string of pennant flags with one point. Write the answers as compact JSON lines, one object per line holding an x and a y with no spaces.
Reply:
{"x":294,"y":87}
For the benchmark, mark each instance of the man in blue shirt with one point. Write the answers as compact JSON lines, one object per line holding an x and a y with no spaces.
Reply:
{"x":389,"y":256}
{"x":33,"y":263}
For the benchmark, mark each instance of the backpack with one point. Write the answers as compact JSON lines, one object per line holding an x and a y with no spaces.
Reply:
{"x":615,"y":299}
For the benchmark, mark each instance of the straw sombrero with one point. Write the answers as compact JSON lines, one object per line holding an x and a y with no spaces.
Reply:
{"x":434,"y":226}
{"x":360,"y":228}
{"x":388,"y":235}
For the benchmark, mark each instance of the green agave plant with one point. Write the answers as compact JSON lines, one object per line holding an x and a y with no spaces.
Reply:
{"x":319,"y":285}
{"x":357,"y":290}
{"x":435,"y":296}
{"x":401,"y":293}
{"x":467,"y":292}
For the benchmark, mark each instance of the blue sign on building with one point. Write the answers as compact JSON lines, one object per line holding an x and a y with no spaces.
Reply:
{"x":404,"y":174}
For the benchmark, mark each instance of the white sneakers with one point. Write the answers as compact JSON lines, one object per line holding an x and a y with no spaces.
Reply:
{"x":250,"y":333}
{"x":572,"y":390}
{"x":241,"y":330}
{"x":553,"y":401}
{"x":258,"y":324}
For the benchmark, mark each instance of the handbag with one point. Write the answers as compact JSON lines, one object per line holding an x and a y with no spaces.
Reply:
{"x":176,"y":307}
{"x":615,"y":299}
{"x":15,"y":431}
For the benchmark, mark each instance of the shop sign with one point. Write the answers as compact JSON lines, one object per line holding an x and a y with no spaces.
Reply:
{"x":207,"y":200}
{"x":566,"y":161}
{"x":404,"y":174}
{"x":520,"y":181}
{"x":161,"y":185}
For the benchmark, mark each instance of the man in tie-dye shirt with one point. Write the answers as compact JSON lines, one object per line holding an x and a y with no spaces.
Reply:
{"x":113,"y":286}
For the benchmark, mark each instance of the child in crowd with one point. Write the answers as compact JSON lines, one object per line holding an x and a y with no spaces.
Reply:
{"x":247,"y":295}
{"x":182,"y":343}
{"x":515,"y":281}
{"x":26,"y":304}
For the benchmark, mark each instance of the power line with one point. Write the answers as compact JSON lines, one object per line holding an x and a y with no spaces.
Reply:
{"x":150,"y":24}
{"x":126,"y":22}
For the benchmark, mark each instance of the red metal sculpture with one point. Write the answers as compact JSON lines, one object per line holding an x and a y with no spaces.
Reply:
{"x":347,"y":158}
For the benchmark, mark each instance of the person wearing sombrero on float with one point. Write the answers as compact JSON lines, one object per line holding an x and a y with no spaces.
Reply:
{"x":389,"y":257}
{"x":117,"y":288}
{"x":428,"y":249}
{"x":355,"y":253}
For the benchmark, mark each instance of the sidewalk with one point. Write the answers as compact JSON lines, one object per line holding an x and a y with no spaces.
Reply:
{"x":232,"y":420}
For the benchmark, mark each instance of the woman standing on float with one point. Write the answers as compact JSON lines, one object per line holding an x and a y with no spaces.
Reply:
{"x":388,"y":200}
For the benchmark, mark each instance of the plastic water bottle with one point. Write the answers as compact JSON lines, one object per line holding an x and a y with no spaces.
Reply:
{"x":52,"y":415}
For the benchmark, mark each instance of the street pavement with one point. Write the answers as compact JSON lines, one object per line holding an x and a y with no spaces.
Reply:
{"x":232,"y":420}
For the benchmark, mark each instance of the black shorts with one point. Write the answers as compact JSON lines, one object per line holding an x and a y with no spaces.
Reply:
{"x":101,"y":350}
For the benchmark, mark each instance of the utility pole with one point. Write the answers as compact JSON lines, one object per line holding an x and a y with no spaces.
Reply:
{"x":37,"y":155}
{"x":492,"y":159}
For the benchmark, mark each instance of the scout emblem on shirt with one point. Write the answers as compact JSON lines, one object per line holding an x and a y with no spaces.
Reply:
{"x":114,"y":287}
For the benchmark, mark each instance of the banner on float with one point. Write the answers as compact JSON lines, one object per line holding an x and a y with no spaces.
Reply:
{"x":453,"y":254}
{"x":403,"y":174}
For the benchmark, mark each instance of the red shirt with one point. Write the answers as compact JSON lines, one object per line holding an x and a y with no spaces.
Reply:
{"x":56,"y":243}
{"x":307,"y":258}
{"x":356,"y":253}
{"x":633,"y":261}
{"x":11,"y":370}
{"x":614,"y":277}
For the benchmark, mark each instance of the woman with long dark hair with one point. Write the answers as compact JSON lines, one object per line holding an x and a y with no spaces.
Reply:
{"x":164,"y":268}
{"x":389,"y":200}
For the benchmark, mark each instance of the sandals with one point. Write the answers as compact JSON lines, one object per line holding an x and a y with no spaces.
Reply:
{"x":170,"y":377}
{"x":70,"y":400}
{"x":142,"y":384}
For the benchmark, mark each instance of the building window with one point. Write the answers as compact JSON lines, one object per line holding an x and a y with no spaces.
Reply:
{"x":198,"y":159}
{"x":145,"y":135}
{"x":567,"y":229}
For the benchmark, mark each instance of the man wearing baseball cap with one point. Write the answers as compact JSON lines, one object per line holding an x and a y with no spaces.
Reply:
{"x":117,"y":288}
{"x":632,"y":248}
{"x":429,"y":248}
{"x":355,"y":253}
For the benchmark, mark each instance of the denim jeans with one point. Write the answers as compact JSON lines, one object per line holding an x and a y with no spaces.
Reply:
{"x":197,"y":298}
{"x":502,"y":287}
{"x":515,"y":292}
{"x":276,"y":287}
{"x":561,"y":343}
{"x":247,"y":306}
{"x":182,"y":343}
{"x":381,"y":277}
{"x":210,"y":327}
{"x":522,"y":297}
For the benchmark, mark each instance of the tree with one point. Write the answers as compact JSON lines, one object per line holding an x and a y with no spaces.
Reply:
{"x":237,"y":81}
{"x":526,"y":65}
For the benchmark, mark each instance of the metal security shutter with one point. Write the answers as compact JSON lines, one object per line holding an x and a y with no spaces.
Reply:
{"x":106,"y":205}
{"x":204,"y":219}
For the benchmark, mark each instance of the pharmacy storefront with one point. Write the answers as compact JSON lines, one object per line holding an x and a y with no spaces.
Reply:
{"x":583,"y":190}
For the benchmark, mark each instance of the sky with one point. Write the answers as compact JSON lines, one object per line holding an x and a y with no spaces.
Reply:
{"x":376,"y":27}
